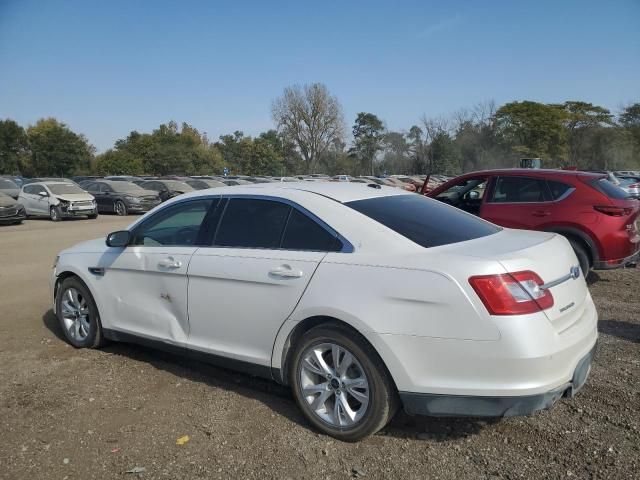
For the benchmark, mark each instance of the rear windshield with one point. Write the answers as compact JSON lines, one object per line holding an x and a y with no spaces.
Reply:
{"x":609,"y":189}
{"x":427,"y":222}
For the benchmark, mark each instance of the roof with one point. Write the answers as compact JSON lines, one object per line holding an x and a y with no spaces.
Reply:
{"x":339,"y":191}
{"x":532,"y":171}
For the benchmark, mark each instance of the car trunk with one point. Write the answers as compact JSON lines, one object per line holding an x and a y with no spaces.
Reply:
{"x":549,"y":256}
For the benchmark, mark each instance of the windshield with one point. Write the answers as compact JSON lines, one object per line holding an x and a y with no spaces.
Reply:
{"x":126,"y":187}
{"x":178,"y":186}
{"x":427,"y":222}
{"x":64,"y":188}
{"x":5,"y":184}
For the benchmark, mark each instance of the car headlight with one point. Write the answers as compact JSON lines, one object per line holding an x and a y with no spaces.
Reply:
{"x":132,"y":199}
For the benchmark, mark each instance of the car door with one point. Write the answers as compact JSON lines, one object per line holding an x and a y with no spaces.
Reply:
{"x":243,"y":287}
{"x":146,"y":282}
{"x":26,"y":198}
{"x":40,"y":200}
{"x":518,"y":202}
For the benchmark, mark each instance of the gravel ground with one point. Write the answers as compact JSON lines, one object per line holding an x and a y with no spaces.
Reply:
{"x":67,"y":413}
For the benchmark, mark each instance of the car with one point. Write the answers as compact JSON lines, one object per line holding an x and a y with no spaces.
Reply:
{"x":57,"y":200}
{"x":202,"y":183}
{"x":9,"y":187}
{"x":166,"y":188}
{"x":49,"y":179}
{"x":361,"y":298}
{"x":122,"y":178}
{"x":597,"y":217}
{"x":341,"y":178}
{"x":11,"y":212}
{"x":630,"y":184}
{"x":121,"y":197}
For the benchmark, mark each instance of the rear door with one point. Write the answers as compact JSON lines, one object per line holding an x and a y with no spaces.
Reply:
{"x":518,"y":202}
{"x":243,"y":287}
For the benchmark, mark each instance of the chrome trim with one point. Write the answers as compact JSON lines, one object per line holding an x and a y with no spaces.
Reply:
{"x":574,"y":273}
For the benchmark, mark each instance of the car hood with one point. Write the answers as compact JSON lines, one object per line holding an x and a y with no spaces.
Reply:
{"x":143,"y":193}
{"x":12,"y":192}
{"x":6,"y":201}
{"x":74,"y":197}
{"x":97,"y":245}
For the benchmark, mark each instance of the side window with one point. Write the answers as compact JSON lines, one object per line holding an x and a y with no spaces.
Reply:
{"x":28,"y":189}
{"x":177,"y":225}
{"x":105,"y":188}
{"x":518,"y":190}
{"x":252,"y":223}
{"x":558,"y":189}
{"x":91,"y":187}
{"x":151,"y":186}
{"x":303,"y":233}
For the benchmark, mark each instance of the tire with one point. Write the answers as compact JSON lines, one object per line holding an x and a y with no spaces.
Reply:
{"x":583,"y":257}
{"x":93,"y":216}
{"x":55,"y":214}
{"x":78,"y":315}
{"x":120,"y":208}
{"x":371,"y":403}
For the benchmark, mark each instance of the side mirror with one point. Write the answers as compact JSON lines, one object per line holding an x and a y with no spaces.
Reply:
{"x":473,"y":195}
{"x":121,"y":238}
{"x":42,"y":193}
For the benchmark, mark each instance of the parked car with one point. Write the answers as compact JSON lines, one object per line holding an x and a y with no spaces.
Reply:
{"x":597,"y":217}
{"x":17,"y":179}
{"x":11,"y":212}
{"x":298,"y":282}
{"x":122,"y":178}
{"x":57,"y":200}
{"x":202,"y":183}
{"x":167,"y":188}
{"x":9,"y":187}
{"x":49,"y":179}
{"x":122,"y":197}
{"x":341,"y":178}
{"x":630,"y":184}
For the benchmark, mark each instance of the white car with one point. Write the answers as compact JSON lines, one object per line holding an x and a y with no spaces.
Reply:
{"x":362,"y":298}
{"x":57,"y":200}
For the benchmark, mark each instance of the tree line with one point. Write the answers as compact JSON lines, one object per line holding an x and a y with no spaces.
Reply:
{"x":310,"y":136}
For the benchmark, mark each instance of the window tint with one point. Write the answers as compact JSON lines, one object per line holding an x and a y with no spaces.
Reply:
{"x":177,"y":225}
{"x":303,"y":233}
{"x":518,"y":189}
{"x":603,"y":185}
{"x":558,"y":189}
{"x":91,"y":187}
{"x":105,"y":188}
{"x":427,"y":222}
{"x":252,"y":223}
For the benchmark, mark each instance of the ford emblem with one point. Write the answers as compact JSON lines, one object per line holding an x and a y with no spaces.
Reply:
{"x":575,"y":272}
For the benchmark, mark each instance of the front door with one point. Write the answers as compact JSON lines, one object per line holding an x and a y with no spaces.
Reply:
{"x":244,"y":286}
{"x":518,"y":202}
{"x":147,"y":281}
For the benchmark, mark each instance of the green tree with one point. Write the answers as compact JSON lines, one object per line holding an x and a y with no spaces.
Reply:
{"x":56,"y":150}
{"x":581,"y":121}
{"x":14,"y":148}
{"x":368,"y":132}
{"x":117,"y":162}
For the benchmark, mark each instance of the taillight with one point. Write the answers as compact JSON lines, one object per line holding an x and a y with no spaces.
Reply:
{"x":613,"y":211}
{"x":516,"y":293}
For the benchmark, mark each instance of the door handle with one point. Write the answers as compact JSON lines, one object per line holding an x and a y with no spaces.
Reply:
{"x":169,"y":262}
{"x":285,"y":271}
{"x":540,"y":213}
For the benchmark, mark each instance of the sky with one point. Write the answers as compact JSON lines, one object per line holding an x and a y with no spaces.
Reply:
{"x":107,"y":68}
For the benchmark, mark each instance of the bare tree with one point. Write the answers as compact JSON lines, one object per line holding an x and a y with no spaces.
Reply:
{"x":311,"y":117}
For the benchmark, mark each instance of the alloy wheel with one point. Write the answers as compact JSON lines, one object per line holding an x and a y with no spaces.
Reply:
{"x":75,"y":314}
{"x":334,"y":384}
{"x":53,"y":213}
{"x":121,"y":208}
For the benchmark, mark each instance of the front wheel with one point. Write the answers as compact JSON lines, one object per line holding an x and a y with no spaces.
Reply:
{"x":78,"y":314}
{"x":54,"y":214}
{"x":340,"y":384}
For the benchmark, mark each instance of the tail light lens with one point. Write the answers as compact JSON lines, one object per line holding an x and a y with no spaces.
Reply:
{"x":516,"y":293}
{"x":613,"y":211}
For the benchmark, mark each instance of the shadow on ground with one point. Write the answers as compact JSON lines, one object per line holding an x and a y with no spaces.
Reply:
{"x":276,"y":396}
{"x":617,"y":328}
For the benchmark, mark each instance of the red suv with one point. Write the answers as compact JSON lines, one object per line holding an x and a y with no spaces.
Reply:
{"x":597,"y":217}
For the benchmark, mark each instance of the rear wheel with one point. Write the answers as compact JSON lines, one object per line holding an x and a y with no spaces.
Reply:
{"x":340,"y":384}
{"x":78,"y":314}
{"x":583,"y":257}
{"x":55,"y":214}
{"x":120,"y":208}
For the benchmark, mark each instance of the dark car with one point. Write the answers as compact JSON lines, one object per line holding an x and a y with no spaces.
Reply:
{"x":202,"y":183}
{"x":121,"y":198}
{"x":597,"y":217}
{"x":9,"y":187}
{"x":11,"y":212}
{"x":167,"y":188}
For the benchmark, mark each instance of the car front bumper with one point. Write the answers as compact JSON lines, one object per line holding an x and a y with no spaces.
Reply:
{"x":495,"y":406}
{"x":78,"y":212}
{"x":12,"y":215}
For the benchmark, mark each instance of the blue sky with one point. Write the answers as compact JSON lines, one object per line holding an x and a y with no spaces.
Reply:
{"x":106,"y":68}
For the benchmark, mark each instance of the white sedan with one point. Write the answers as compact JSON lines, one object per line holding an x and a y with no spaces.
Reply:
{"x":362,"y":298}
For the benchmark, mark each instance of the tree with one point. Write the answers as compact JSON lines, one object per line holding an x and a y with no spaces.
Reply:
{"x":581,"y":120}
{"x":311,"y":118}
{"x":367,"y":139}
{"x":56,"y":150}
{"x":14,"y":147}
{"x":533,"y":129}
{"x":117,"y":162}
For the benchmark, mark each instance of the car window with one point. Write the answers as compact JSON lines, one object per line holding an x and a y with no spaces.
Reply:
{"x":176,"y":225}
{"x":425,"y":221}
{"x":518,"y":190}
{"x":7,"y":184}
{"x":607,"y":188}
{"x":91,"y":187}
{"x":558,"y":189}
{"x":303,"y":233}
{"x":105,"y":188}
{"x":252,"y":223}
{"x":463,"y":188}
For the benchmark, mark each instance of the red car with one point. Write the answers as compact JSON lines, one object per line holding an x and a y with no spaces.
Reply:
{"x":597,"y":217}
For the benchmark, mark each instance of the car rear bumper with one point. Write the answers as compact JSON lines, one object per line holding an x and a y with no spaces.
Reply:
{"x":617,"y":263}
{"x":495,"y":406}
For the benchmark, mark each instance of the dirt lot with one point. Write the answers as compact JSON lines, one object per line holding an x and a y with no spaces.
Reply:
{"x":67,"y":413}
